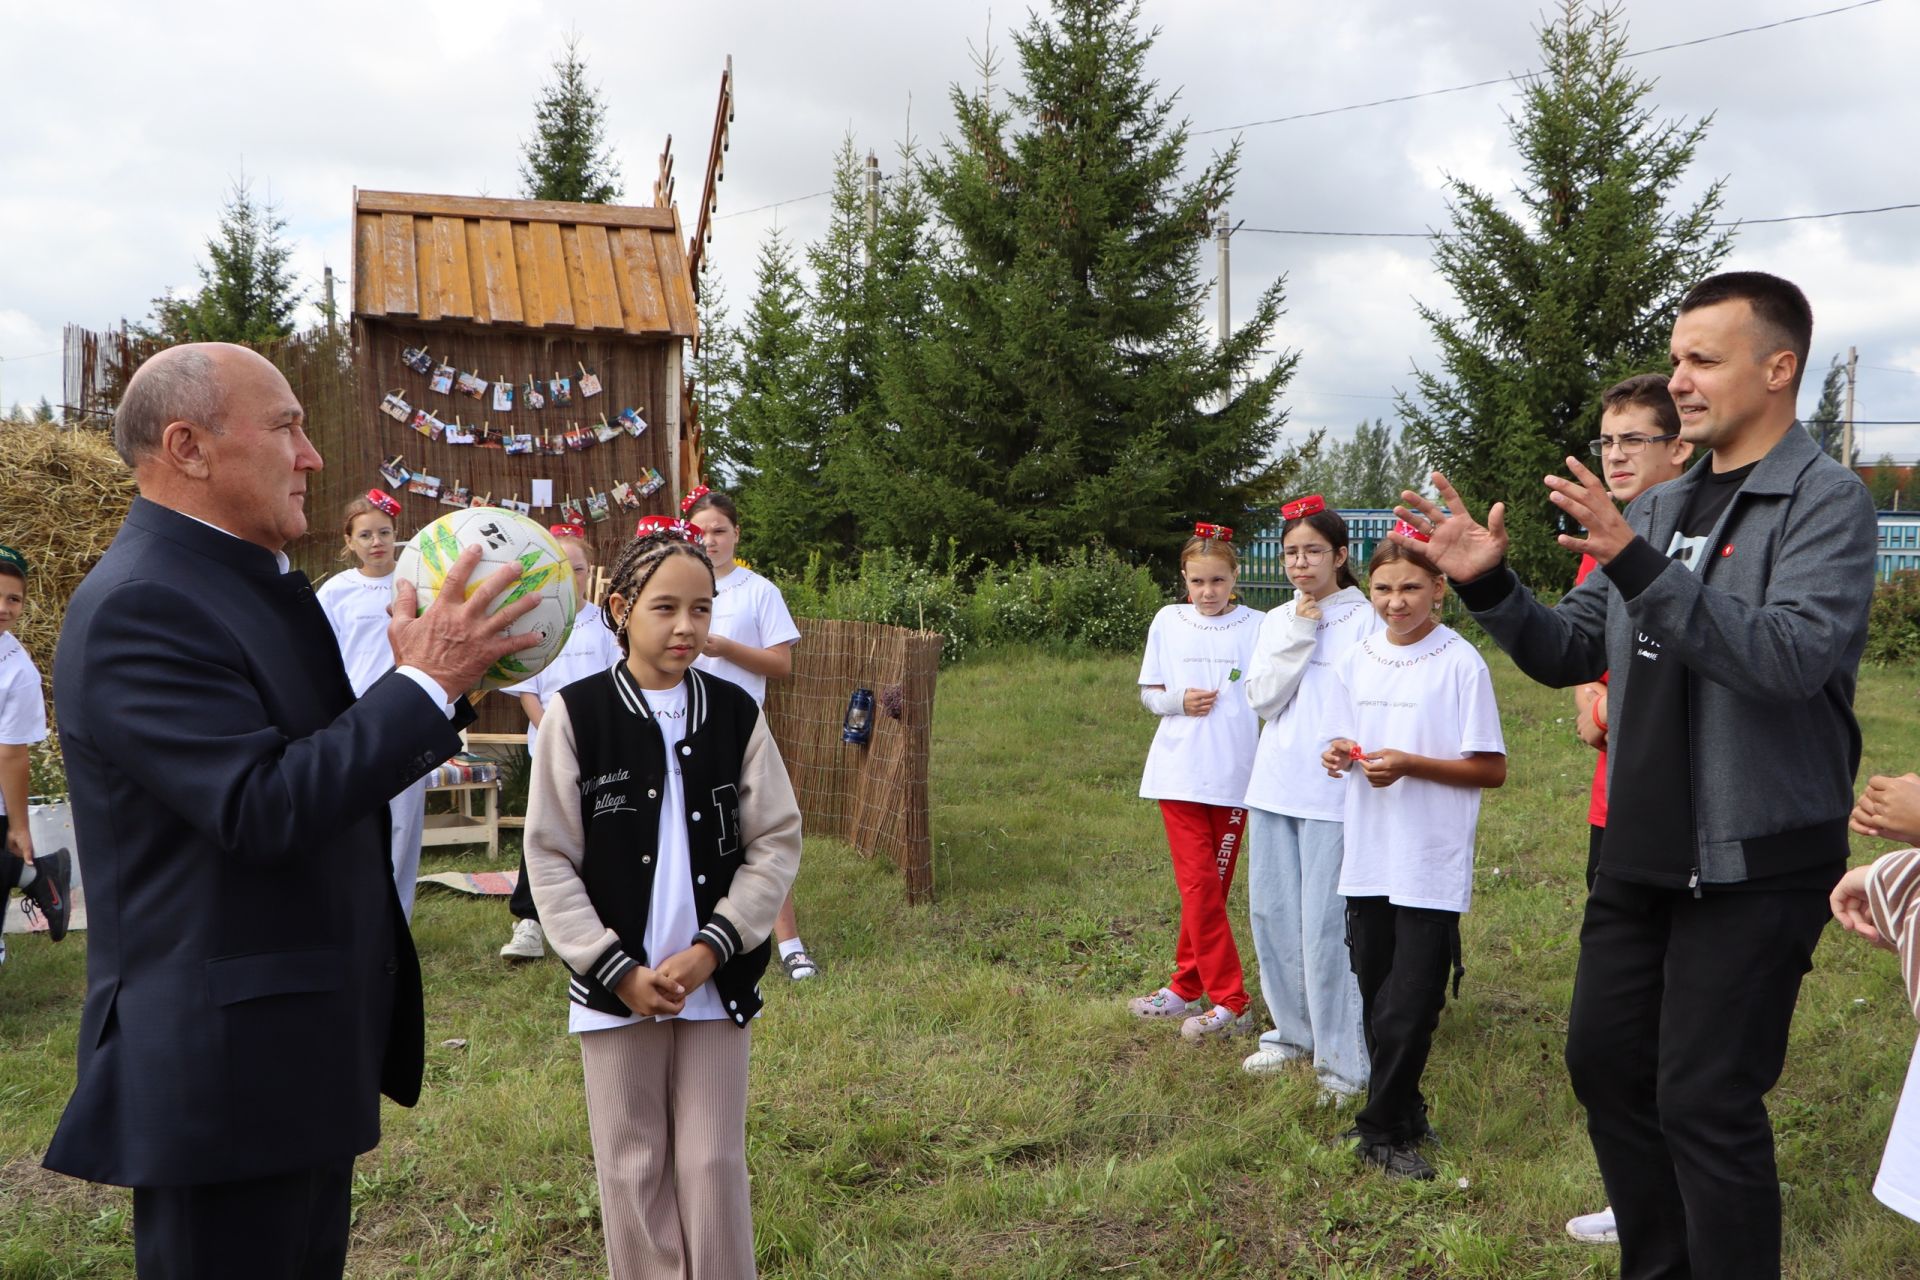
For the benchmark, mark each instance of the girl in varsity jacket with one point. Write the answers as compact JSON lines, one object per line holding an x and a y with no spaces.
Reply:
{"x":662,"y":836}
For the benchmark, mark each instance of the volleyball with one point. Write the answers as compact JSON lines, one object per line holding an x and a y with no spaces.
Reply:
{"x":505,"y":537}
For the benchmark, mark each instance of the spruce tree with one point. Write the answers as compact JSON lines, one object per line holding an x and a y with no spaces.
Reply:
{"x":844,"y":326}
{"x":1065,"y":390}
{"x":1575,"y":289}
{"x":247,"y":292}
{"x":778,"y":432}
{"x":568,"y":157}
{"x":715,"y":382}
{"x":1885,"y":485}
{"x":1826,"y":424}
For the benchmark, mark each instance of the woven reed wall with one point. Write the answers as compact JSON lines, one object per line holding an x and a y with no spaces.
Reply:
{"x":874,"y":797}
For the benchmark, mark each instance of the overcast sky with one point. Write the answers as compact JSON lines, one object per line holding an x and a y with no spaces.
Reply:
{"x":125,"y":123}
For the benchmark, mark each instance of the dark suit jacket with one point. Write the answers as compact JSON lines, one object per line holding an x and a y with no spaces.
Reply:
{"x":251,"y":984}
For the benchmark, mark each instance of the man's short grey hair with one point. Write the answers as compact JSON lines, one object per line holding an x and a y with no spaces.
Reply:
{"x":174,"y":386}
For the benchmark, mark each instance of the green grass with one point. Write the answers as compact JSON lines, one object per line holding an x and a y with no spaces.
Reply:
{"x":962,"y":1093}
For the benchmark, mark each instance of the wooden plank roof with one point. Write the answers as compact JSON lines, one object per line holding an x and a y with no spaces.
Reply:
{"x":542,"y":265}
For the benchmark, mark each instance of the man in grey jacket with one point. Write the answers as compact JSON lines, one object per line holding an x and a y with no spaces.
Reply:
{"x":1731,"y":608}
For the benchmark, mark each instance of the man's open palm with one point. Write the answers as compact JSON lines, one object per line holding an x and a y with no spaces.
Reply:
{"x":1459,"y":546}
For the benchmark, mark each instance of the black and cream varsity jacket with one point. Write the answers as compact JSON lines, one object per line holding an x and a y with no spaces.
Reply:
{"x":593,"y":825}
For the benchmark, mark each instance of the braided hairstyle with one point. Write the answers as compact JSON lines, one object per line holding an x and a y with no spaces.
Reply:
{"x":637,"y":564}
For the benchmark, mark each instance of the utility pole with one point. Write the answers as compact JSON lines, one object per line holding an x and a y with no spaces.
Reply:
{"x":1223,"y":237}
{"x":326,"y":281}
{"x":1846,"y":428}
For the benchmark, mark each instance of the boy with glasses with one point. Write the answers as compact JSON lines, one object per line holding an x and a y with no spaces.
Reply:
{"x":1639,"y":447}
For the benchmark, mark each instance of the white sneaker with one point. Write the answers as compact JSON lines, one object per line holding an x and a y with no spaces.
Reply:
{"x":528,"y":942}
{"x":1163,"y":1004}
{"x":1218,"y":1023}
{"x":1268,"y":1062}
{"x":1595,"y":1228}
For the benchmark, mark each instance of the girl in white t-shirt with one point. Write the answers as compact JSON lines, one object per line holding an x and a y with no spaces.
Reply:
{"x":589,"y":650}
{"x":751,"y":643}
{"x":356,"y":603}
{"x":1420,"y":721}
{"x":1295,"y":811}
{"x":1197,"y":769}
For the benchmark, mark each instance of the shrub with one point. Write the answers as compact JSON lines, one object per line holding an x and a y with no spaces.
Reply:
{"x":1893,"y":624}
{"x":1088,"y":599}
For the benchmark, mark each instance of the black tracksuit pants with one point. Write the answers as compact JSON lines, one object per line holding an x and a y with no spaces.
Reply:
{"x":1681,"y":1007}
{"x":1401,"y":957}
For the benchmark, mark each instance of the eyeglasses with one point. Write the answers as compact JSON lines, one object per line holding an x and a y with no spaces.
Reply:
{"x":1629,"y":445}
{"x":1311,"y":555}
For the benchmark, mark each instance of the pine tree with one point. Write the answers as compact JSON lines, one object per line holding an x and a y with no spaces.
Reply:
{"x":715,"y":381}
{"x":568,"y":157}
{"x":1065,"y":390}
{"x":247,"y":292}
{"x":1574,"y":291}
{"x":778,"y":432}
{"x":44,"y":411}
{"x":1826,"y":424}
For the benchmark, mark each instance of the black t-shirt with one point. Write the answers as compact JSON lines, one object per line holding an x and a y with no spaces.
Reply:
{"x":1651,"y":835}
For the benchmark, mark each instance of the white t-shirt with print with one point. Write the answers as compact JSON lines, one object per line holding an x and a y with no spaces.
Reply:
{"x":673,"y":919}
{"x":1288,"y":777}
{"x":1412,"y":842}
{"x":589,"y":650}
{"x":1204,"y":759}
{"x":356,"y":605}
{"x":749,"y":610}
{"x":23,"y":702}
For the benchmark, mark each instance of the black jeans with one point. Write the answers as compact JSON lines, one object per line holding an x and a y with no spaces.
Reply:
{"x":520,"y":901}
{"x":290,"y":1226}
{"x":1681,"y":1007}
{"x":1401,"y":956}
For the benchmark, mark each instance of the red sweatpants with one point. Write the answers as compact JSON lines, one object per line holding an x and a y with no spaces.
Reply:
{"x":1205,"y":842}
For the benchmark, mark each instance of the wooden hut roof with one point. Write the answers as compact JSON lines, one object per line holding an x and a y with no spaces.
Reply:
{"x":545,"y":266}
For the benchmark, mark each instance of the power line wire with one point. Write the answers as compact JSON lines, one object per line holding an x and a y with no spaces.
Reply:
{"x":1442,"y":235}
{"x":33,"y":356}
{"x":1513,"y":79}
{"x":737,"y":213}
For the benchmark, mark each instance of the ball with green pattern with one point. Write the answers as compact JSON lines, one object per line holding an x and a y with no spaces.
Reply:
{"x":505,"y":537}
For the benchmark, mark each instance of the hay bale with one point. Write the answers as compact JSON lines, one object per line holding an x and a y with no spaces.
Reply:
{"x":63,"y":494}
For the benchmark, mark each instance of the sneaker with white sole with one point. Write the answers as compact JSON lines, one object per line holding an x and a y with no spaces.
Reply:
{"x":1595,"y":1228}
{"x":800,"y":966}
{"x":529,"y":942}
{"x":53,"y":873}
{"x":1163,"y":1004}
{"x":1218,"y":1023}
{"x":1269,"y":1062}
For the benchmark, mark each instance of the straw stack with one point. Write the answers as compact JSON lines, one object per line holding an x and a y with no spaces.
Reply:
{"x":63,"y":494}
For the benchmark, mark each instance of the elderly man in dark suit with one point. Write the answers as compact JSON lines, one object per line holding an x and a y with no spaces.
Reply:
{"x":251,"y":985}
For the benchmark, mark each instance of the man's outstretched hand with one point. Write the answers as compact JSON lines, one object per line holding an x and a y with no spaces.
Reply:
{"x":1587,"y":501}
{"x":1459,"y":546}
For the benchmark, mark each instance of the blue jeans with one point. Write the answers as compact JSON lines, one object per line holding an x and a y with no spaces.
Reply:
{"x":1300,"y":939}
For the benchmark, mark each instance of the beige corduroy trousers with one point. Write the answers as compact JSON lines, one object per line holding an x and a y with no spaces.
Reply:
{"x":667,"y":1110}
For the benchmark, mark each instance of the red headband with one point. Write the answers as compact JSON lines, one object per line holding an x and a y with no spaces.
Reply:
{"x":699,"y":492}
{"x":666,"y":524}
{"x":1406,"y":530}
{"x":568,"y":530}
{"x":1311,"y":505}
{"x":1215,"y":532}
{"x":384,"y":501}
